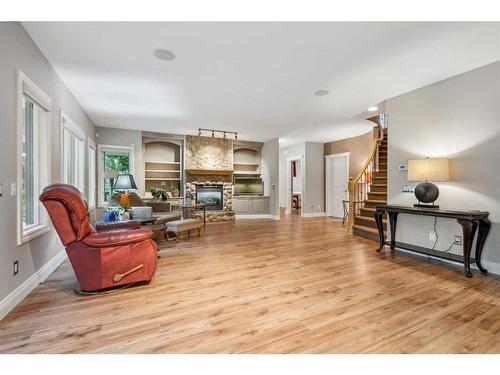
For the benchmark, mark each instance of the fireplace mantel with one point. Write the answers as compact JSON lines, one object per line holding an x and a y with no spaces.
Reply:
{"x":210,"y":172}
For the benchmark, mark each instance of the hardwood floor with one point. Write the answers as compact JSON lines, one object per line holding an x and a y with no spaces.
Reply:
{"x":290,"y":286}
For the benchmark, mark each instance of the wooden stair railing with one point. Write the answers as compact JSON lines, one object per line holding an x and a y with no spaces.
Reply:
{"x":359,"y":187}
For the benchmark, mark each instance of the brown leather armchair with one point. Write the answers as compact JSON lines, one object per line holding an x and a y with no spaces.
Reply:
{"x":111,"y":255}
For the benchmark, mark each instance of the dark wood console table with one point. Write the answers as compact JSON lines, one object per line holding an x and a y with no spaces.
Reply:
{"x":470,"y":220}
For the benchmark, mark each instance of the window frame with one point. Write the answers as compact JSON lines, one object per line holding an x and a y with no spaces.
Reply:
{"x":101,"y":149}
{"x":42,"y":159}
{"x":92,"y":173}
{"x":66,"y":123}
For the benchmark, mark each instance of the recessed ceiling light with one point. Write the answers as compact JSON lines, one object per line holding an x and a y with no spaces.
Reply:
{"x":321,"y":92}
{"x":372,"y":108}
{"x":164,"y":54}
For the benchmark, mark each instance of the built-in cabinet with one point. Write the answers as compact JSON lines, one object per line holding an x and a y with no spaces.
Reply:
{"x":251,"y":205}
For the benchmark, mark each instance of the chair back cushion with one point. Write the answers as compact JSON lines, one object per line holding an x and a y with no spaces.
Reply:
{"x":68,"y":210}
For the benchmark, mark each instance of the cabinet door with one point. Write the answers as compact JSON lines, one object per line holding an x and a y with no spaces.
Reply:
{"x":259,"y":205}
{"x":241,"y":206}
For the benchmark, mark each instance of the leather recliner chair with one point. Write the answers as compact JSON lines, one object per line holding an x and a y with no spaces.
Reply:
{"x":110,"y":255}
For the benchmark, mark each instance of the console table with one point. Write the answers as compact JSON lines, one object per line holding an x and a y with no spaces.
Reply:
{"x":470,"y":220}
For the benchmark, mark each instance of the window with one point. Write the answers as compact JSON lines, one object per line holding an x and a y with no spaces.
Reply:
{"x":72,"y":151}
{"x":33,"y":119}
{"x":92,"y":173}
{"x":113,"y":160}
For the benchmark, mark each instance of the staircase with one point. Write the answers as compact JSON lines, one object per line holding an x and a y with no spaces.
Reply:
{"x":369,"y":189}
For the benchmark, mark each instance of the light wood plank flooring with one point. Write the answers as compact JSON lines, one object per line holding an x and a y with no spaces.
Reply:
{"x":290,"y":286}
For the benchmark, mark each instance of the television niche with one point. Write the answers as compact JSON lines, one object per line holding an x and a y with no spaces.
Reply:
{"x":211,"y":196}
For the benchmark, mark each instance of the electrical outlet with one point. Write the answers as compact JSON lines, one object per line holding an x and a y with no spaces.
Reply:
{"x":457,"y":240}
{"x":407,"y":188}
{"x":432,"y":236}
{"x":16,"y":267}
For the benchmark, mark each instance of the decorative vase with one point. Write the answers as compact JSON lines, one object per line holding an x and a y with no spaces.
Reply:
{"x":109,"y":216}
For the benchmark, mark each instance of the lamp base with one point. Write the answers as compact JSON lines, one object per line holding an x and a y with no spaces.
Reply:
{"x":420,"y":205}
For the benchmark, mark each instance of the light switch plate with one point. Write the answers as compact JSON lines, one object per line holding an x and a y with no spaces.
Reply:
{"x":13,"y":189}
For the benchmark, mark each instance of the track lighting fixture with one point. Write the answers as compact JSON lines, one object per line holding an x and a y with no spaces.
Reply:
{"x":213,"y":131}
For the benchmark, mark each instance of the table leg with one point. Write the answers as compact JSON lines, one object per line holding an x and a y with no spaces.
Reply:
{"x":393,"y":219}
{"x":204,"y":217}
{"x":469,"y":229}
{"x":380,"y":226}
{"x":482,"y":233}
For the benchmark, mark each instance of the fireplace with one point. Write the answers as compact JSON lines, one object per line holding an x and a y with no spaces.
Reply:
{"x":211,"y":196}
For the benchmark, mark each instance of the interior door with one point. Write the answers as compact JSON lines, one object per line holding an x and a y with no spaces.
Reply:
{"x":337,"y":183}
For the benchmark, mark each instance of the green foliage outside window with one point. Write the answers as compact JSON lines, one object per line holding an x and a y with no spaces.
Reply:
{"x":117,"y":162}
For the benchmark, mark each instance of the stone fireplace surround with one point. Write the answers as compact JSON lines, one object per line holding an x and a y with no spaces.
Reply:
{"x":213,"y":157}
{"x":227,"y":213}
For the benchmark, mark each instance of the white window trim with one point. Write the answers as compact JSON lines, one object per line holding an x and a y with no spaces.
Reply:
{"x":26,"y":86}
{"x":91,"y":145}
{"x":100,"y":167}
{"x":67,"y":123}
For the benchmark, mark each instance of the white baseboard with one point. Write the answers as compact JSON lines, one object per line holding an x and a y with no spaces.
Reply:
{"x":314,"y":214}
{"x":492,"y":267}
{"x":14,"y":298}
{"x":263,"y":216}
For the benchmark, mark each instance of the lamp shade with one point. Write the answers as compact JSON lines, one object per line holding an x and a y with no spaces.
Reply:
{"x":111,"y":173}
{"x":429,"y":170}
{"x":125,"y":182}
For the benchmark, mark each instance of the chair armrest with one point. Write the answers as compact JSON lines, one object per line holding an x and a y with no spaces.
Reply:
{"x":103,"y":226}
{"x":117,"y":238}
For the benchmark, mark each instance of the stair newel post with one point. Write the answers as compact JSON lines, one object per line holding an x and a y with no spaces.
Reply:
{"x":350,"y":218}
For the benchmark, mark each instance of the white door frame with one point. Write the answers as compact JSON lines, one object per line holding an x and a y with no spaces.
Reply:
{"x":328,"y":160}
{"x":289,"y":180}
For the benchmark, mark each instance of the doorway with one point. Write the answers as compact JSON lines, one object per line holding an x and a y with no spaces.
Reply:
{"x":337,"y":181}
{"x":295,"y":185}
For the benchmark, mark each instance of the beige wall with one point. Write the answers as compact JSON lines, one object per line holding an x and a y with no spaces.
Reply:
{"x":358,"y":147}
{"x":458,"y":118}
{"x":19,"y":52}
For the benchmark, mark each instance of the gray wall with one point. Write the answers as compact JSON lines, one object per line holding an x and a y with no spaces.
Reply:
{"x":19,"y":52}
{"x":314,"y":181}
{"x":270,"y":171}
{"x":458,"y":118}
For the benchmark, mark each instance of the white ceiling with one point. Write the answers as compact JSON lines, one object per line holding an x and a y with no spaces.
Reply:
{"x":255,"y":78}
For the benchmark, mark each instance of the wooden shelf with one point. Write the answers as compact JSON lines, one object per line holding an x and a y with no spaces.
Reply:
{"x":220,"y":172}
{"x":246,"y":173}
{"x":162,"y":162}
{"x":252,"y":164}
{"x":162,"y":179}
{"x":163,"y":170}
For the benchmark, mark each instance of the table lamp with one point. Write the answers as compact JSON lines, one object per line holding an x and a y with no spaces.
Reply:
{"x":112,"y":174}
{"x":125,"y":182}
{"x":428,"y":170}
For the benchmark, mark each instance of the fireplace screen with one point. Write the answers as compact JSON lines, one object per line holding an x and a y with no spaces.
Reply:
{"x":211,"y":196}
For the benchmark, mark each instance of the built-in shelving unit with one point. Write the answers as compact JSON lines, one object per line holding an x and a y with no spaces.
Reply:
{"x":246,"y":164}
{"x":162,"y":164}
